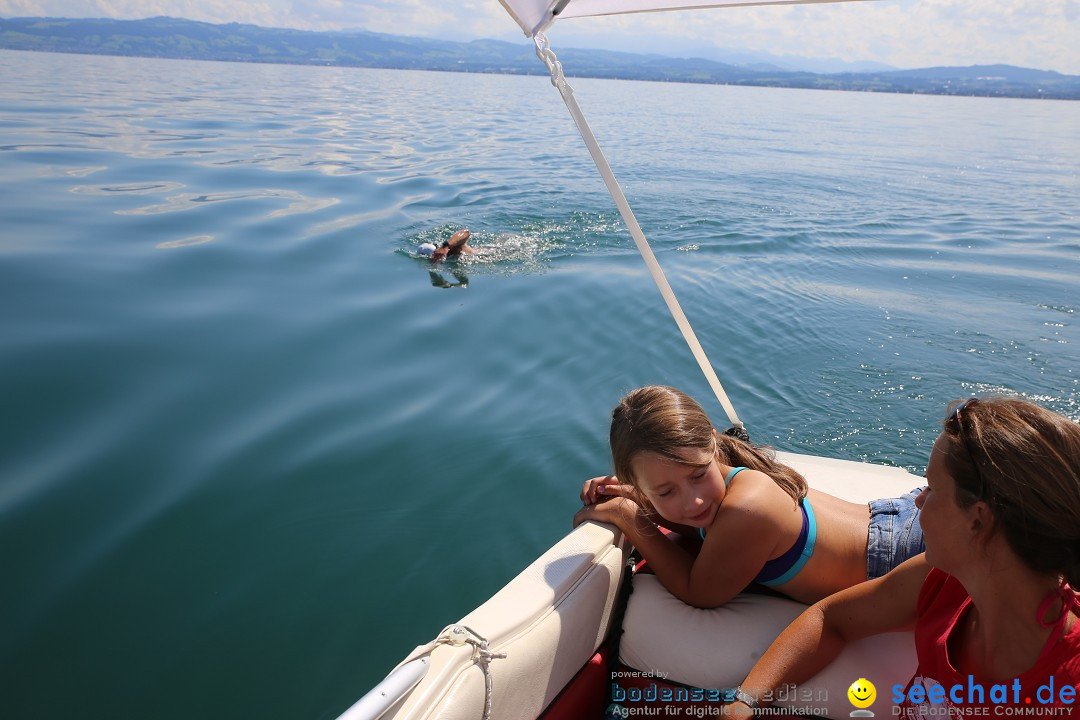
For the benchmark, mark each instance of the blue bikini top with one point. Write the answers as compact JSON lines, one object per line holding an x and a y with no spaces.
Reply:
{"x":782,"y":569}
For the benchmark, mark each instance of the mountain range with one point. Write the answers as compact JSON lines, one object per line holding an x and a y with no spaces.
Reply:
{"x":165,"y":37}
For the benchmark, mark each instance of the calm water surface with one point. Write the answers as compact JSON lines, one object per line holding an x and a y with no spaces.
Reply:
{"x":254,"y":450}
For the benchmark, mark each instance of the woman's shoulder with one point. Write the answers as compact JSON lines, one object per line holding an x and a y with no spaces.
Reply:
{"x":1065,"y":667}
{"x":940,"y":588}
{"x":1070,"y":653}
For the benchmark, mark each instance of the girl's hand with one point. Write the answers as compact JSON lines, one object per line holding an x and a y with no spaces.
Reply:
{"x":618,"y":511}
{"x":601,"y":488}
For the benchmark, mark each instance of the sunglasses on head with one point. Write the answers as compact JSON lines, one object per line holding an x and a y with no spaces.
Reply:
{"x":958,"y":416}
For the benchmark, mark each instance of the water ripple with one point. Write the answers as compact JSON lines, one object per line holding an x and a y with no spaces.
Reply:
{"x":192,"y":201}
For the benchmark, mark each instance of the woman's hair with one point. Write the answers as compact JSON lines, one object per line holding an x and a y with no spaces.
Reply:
{"x":666,"y":422}
{"x":1024,"y":462}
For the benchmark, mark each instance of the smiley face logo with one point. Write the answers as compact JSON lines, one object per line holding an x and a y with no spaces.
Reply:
{"x":862,"y":693}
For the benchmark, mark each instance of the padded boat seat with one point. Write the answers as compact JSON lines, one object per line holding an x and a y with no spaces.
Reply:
{"x":543,"y":625}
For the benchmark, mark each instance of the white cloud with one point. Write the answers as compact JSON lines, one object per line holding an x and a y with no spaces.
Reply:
{"x":905,"y":33}
{"x":217,"y":11}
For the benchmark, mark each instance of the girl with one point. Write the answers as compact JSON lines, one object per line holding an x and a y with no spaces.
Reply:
{"x":990,"y":601}
{"x":759,"y":521}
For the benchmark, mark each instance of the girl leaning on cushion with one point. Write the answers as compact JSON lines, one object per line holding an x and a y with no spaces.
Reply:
{"x":758,"y":520}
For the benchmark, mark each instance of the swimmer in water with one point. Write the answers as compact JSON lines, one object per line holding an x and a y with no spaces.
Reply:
{"x":458,"y":244}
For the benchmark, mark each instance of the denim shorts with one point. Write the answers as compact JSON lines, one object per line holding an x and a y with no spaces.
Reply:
{"x":895,"y":534}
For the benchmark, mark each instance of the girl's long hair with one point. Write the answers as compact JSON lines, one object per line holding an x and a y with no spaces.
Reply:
{"x":665,"y":421}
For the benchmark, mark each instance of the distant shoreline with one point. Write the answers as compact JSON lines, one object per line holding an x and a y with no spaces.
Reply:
{"x":539,"y":73}
{"x":176,"y":39}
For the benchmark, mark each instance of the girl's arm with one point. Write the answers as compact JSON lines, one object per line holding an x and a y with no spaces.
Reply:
{"x":668,"y":560}
{"x":604,"y":487}
{"x":742,"y":537}
{"x":815,"y":638}
{"x":736,"y":547}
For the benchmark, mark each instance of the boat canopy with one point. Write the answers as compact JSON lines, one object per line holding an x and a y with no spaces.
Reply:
{"x":536,"y":15}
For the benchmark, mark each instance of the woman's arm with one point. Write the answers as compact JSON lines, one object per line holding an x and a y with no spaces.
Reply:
{"x":815,"y":638}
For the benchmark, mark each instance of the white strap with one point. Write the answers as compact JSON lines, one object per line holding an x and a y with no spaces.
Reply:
{"x":543,"y":51}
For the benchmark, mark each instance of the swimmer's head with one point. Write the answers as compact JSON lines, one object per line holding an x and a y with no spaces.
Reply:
{"x":426,"y":249}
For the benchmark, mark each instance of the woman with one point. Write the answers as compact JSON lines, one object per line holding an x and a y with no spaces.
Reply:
{"x":758,"y":520}
{"x":991,"y":602}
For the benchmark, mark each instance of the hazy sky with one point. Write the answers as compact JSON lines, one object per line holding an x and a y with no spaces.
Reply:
{"x":1041,"y":34}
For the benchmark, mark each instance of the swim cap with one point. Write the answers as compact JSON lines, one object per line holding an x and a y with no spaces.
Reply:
{"x":426,"y":249}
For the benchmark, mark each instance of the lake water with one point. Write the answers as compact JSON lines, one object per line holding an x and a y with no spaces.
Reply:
{"x":254,"y":450}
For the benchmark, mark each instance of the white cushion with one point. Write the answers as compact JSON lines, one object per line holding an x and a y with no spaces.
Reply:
{"x":666,"y":638}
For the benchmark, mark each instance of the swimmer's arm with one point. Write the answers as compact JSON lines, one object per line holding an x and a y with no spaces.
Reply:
{"x":815,"y":638}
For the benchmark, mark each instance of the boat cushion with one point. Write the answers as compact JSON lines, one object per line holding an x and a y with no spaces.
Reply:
{"x":665,"y":638}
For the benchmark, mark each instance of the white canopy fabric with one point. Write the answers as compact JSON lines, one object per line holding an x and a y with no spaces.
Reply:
{"x":535,"y":15}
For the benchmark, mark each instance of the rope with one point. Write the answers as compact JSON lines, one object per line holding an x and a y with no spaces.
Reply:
{"x":458,"y":635}
{"x":547,"y":56}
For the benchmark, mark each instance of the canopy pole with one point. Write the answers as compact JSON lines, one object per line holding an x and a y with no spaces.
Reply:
{"x":544,"y":52}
